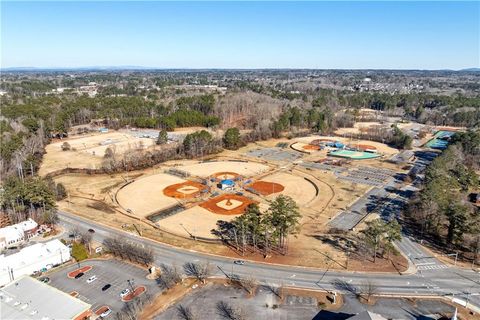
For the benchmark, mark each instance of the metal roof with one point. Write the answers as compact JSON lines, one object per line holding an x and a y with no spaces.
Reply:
{"x":27,"y":298}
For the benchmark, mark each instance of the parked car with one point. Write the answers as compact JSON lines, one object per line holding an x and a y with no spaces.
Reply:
{"x":44,"y":279}
{"x":124,"y":293}
{"x":91,"y":279}
{"x":79,"y":275}
{"x":106,"y":313}
{"x":239,"y":262}
{"x":91,"y":230}
{"x":106,"y":287}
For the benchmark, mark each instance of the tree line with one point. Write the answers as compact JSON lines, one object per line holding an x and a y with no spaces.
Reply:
{"x":265,"y":232}
{"x":31,"y":197}
{"x":121,"y":248}
{"x":442,"y":210}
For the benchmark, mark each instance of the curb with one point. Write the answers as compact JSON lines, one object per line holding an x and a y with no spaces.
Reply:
{"x":224,"y":257}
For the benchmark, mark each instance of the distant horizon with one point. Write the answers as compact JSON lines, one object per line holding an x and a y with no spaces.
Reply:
{"x":242,"y":35}
{"x":128,"y":67}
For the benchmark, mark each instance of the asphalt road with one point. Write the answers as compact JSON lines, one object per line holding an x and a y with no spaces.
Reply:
{"x":463,"y":284}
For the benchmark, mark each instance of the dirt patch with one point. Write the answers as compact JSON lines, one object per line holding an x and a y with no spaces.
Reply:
{"x":266,"y":188}
{"x":185,"y":190}
{"x":228,"y":204}
{"x":74,"y":273}
{"x":74,"y":294}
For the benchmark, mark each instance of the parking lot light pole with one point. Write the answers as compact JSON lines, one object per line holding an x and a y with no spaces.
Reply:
{"x":130,"y":282}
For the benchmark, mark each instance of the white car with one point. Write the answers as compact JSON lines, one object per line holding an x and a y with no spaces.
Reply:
{"x":124,"y":293}
{"x":106,"y":313}
{"x":91,"y":279}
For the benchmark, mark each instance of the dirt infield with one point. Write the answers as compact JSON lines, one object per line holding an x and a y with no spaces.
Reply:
{"x":73,"y":273}
{"x":266,"y":188}
{"x":228,"y":204}
{"x":185,"y":190}
{"x":225,"y":175}
{"x":207,"y":169}
{"x":311,"y":147}
{"x":380,"y":147}
{"x":362,"y":147}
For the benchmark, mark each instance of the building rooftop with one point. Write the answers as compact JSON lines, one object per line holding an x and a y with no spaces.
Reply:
{"x":31,"y":254}
{"x":28,"y":298}
{"x":17,"y":230}
{"x":228,"y":182}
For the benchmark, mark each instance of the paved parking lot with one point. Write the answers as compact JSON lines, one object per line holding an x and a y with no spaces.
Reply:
{"x":274,"y":154}
{"x":112,"y":272}
{"x":323,"y":166}
{"x":265,"y":305}
{"x":370,"y":176}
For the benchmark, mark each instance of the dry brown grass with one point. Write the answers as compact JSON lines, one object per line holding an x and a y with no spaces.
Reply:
{"x":93,"y":197}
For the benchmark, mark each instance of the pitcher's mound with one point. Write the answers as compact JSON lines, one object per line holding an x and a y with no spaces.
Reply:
{"x":265,"y":188}
{"x":184,"y":190}
{"x":227,"y":204}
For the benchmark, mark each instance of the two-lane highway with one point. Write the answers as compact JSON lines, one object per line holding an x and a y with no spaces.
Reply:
{"x":464,"y":284}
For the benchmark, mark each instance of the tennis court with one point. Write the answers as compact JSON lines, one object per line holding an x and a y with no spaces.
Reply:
{"x":440,"y":140}
{"x":354,"y":155}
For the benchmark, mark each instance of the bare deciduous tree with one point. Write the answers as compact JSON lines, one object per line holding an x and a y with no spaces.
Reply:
{"x":169,"y":277}
{"x":369,"y":289}
{"x":229,"y":312}
{"x":120,"y":248}
{"x":185,"y":313}
{"x":131,"y":310}
{"x":201,"y":271}
{"x":249,"y":283}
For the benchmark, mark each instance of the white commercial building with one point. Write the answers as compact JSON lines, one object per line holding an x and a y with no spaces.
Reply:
{"x":16,"y":234}
{"x":37,"y":257}
{"x":29,"y":299}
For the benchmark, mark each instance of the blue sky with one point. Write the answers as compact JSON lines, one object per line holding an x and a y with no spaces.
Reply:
{"x":403,"y":35}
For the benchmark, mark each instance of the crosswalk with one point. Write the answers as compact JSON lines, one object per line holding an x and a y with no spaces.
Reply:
{"x":432,"y":267}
